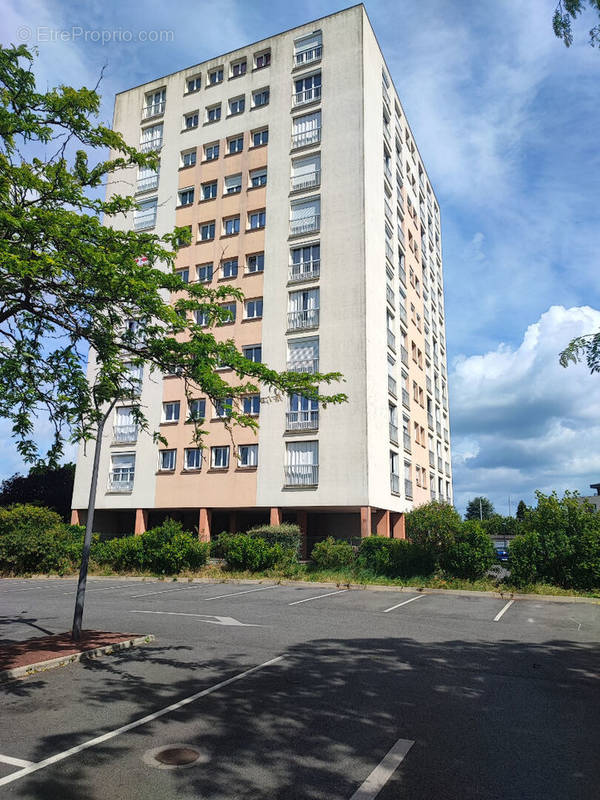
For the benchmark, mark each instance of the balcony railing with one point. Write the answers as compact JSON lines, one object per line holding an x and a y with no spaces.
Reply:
{"x":406,"y":441}
{"x":302,"y":420}
{"x":405,"y":398}
{"x":305,"y":225}
{"x":391,"y":340}
{"x":431,"y":459}
{"x":307,"y":96}
{"x":394,"y":483}
{"x":388,"y":211}
{"x":125,"y":433}
{"x":428,"y":383}
{"x":438,"y":428}
{"x":389,"y":294}
{"x":304,"y":271}
{"x":446,"y":436}
{"x":146,"y":184}
{"x":402,"y":275}
{"x":302,"y":475}
{"x":439,"y":463}
{"x":307,"y":180}
{"x":389,"y":252}
{"x":437,"y":395}
{"x":427,"y":349}
{"x":408,"y":488}
{"x":151,"y":144}
{"x":306,"y":318}
{"x":393,"y":433}
{"x":143,"y":221}
{"x":121,"y":481}
{"x":308,"y":365}
{"x":404,"y":355}
{"x":430,"y":421}
{"x":447,"y":468}
{"x":308,"y":56}
{"x":403,"y":315}
{"x":387,"y":171}
{"x":153,"y":110}
{"x":306,"y":138}
{"x":392,"y":386}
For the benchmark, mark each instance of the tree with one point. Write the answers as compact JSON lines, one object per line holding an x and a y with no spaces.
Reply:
{"x":582,"y":347}
{"x":433,"y":525}
{"x":43,"y":486}
{"x":479,"y":508}
{"x":69,"y":285}
{"x":568,"y":10}
{"x":521,"y":509}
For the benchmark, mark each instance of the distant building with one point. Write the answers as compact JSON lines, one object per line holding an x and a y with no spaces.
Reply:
{"x":594,"y":499}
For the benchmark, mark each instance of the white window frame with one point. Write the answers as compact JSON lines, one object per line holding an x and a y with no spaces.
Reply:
{"x":201,"y":404}
{"x":224,"y":450}
{"x":197,"y":457}
{"x":245,"y":450}
{"x":253,"y":308}
{"x":234,"y":105}
{"x":172,"y":415}
{"x":167,"y":460}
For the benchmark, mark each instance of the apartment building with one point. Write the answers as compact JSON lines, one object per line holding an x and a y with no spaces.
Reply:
{"x":293,"y":165}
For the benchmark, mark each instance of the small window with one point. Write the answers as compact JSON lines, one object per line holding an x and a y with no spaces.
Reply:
{"x":186,"y":196}
{"x":223,"y":408}
{"x":205,"y":273}
{"x":260,"y":97}
{"x":248,"y":455}
{"x":254,"y":308}
{"x":253,"y":353}
{"x":260,"y":137}
{"x":197,"y":409}
{"x":229,"y":268}
{"x":255,"y":263}
{"x":213,"y":113}
{"x":237,"y":105}
{"x":251,"y":405}
{"x":171,"y":411}
{"x":190,"y":120}
{"x":262,"y":59}
{"x":207,"y":231}
{"x":233,"y":183}
{"x":209,"y":190}
{"x":184,"y":274}
{"x":215,"y":76}
{"x":166,"y":460}
{"x":193,"y":85}
{"x":201,"y":318}
{"x":192,"y":458}
{"x":230,"y":308}
{"x":258,"y":177}
{"x":235,"y":145}
{"x":211,"y":151}
{"x":188,"y":158}
{"x":239,"y":68}
{"x":231,"y":226}
{"x":257,"y":219}
{"x":219,"y":457}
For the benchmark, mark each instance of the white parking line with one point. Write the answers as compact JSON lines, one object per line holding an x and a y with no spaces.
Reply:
{"x":503,"y":610}
{"x":105,"y":589}
{"x":164,"y":591}
{"x":404,"y":602}
{"x":15,"y":762}
{"x":105,"y":737}
{"x":383,"y":771}
{"x":316,"y":597}
{"x":191,"y":586}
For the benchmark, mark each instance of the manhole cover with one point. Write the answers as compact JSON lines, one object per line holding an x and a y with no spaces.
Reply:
{"x":174,"y":756}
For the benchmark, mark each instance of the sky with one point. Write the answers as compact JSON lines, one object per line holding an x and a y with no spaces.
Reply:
{"x":506,"y":119}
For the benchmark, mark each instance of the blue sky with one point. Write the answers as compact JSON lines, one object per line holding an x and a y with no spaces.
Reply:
{"x":506,"y":119}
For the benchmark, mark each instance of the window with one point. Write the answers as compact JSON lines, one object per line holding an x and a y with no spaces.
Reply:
{"x":233,"y":183}
{"x":229,"y":268}
{"x":239,"y":68}
{"x":262,"y":59}
{"x":204,"y":272}
{"x":303,"y":309}
{"x":251,"y":404}
{"x":231,"y":309}
{"x":147,"y":179}
{"x":302,"y":463}
{"x":188,"y":158}
{"x":125,"y":427}
{"x":184,"y":274}
{"x":253,"y":309}
{"x":192,"y":85}
{"x":192,"y":458}
{"x":305,"y":216}
{"x":260,"y":97}
{"x":209,"y":190}
{"x":197,"y":409}
{"x":202,"y":318}
{"x":190,"y":120}
{"x":171,"y":411}
{"x":155,"y":103}
{"x":166,"y":460}
{"x":305,"y":262}
{"x":231,"y":226}
{"x":308,"y":49}
{"x":306,"y":173}
{"x":303,"y":413}
{"x":253,"y":353}
{"x":122,"y":472}
{"x":151,"y":138}
{"x":257,"y":219}
{"x":307,"y":89}
{"x":258,"y":177}
{"x":223,"y":408}
{"x":211,"y":151}
{"x":235,"y":145}
{"x":248,"y":455}
{"x":255,"y":263}
{"x":260,"y":137}
{"x":219,"y":457}
{"x":215,"y":76}
{"x":213,"y":113}
{"x":207,"y":231}
{"x":186,"y":196}
{"x":394,"y":474}
{"x":306,"y":130}
{"x":145,"y":215}
{"x":237,"y":105}
{"x":303,"y":355}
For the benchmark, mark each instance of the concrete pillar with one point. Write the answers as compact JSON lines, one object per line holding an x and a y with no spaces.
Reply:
{"x":141,"y":521}
{"x":233,"y":522}
{"x":365,"y":521}
{"x":382,"y":522}
{"x":398,"y":526}
{"x":204,"y":525}
{"x":276,"y":516}
{"x":302,"y":518}
{"x":76,"y":517}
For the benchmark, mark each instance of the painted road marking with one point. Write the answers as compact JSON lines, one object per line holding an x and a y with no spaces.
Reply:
{"x":15,"y":762}
{"x":404,"y":602}
{"x":211,"y":618}
{"x":164,"y":591}
{"x":503,"y":611}
{"x":383,"y":771}
{"x":105,"y":737}
{"x":235,"y":594}
{"x":105,"y":589}
{"x":316,"y":597}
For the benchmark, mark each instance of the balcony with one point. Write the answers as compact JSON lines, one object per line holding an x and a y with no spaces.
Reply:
{"x":308,"y":366}
{"x":307,"y":96}
{"x":408,"y":488}
{"x":401,"y":236}
{"x":439,"y":463}
{"x":428,"y":383}
{"x":406,"y":441}
{"x":447,"y":468}
{"x":308,"y":56}
{"x":403,"y":315}
{"x":404,"y":355}
{"x":388,"y":211}
{"x":121,"y":481}
{"x":438,"y":429}
{"x":432,"y":459}
{"x":405,"y":398}
{"x":302,"y":475}
{"x":387,"y":171}
{"x":392,"y":386}
{"x":306,"y":138}
{"x":394,"y":483}
{"x":427,"y":349}
{"x":307,"y":180}
{"x":125,"y":433}
{"x":151,"y":144}
{"x":430,"y":421}
{"x":389,"y":294}
{"x":153,"y":110}
{"x":393,"y":433}
{"x":391,"y":340}
{"x":302,"y":420}
{"x":147,"y":184}
{"x":142,"y":222}
{"x":301,"y":320}
{"x":446,"y":436}
{"x":402,"y":275}
{"x":305,"y":225}
{"x":389,"y":252}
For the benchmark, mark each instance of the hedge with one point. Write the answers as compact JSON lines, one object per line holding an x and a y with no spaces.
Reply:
{"x":332,"y":554}
{"x":396,"y":558}
{"x":254,"y":553}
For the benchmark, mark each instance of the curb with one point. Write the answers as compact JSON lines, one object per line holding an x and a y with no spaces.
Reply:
{"x":61,"y":661}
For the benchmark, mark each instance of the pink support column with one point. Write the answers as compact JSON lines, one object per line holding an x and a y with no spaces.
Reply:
{"x":398,"y":526}
{"x":382,"y":525}
{"x":75,"y":517}
{"x":365,"y":521}
{"x":204,"y":525}
{"x":141,"y":521}
{"x":276,"y":516}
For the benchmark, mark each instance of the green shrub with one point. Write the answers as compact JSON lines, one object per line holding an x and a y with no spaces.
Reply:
{"x":28,"y":519}
{"x":525,"y":558}
{"x":470,"y":555}
{"x":287,"y":535}
{"x":218,"y":546}
{"x":251,"y":552}
{"x":332,"y":554}
{"x":433,"y":526}
{"x":396,"y":558}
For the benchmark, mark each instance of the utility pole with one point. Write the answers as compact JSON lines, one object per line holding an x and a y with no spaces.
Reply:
{"x":480,"y":511}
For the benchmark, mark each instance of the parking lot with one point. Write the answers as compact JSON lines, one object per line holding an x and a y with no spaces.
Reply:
{"x":305,"y":692}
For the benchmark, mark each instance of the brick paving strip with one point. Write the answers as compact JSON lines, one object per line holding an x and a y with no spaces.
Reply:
{"x":45,"y":652}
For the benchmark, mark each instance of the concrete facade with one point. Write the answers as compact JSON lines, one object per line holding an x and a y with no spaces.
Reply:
{"x":345,"y":192}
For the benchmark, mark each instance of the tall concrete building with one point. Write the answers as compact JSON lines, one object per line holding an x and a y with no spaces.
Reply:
{"x":293,"y":164}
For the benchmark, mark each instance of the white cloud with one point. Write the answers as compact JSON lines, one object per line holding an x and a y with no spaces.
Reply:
{"x":520,"y":421}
